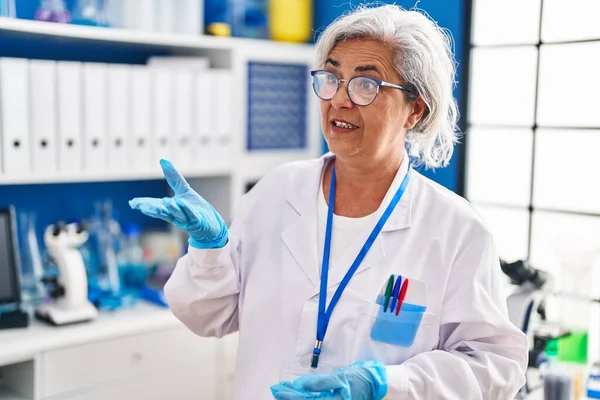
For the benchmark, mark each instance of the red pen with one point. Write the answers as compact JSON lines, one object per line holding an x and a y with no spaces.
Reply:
{"x":402,"y":295}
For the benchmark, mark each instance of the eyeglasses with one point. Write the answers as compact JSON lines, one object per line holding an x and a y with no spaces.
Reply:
{"x":362,"y":90}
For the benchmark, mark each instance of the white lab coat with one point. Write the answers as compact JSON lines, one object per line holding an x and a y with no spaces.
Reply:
{"x":265,"y":283}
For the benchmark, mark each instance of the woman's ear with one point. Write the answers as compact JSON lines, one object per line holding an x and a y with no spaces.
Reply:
{"x":418,"y":111}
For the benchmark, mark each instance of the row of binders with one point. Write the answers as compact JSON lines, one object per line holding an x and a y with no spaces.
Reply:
{"x":62,"y":117}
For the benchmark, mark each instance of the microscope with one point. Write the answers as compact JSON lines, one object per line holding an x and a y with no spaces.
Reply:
{"x":69,"y":291}
{"x":527,"y":306}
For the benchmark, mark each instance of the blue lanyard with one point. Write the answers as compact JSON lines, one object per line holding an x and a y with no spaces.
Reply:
{"x":325,"y":314}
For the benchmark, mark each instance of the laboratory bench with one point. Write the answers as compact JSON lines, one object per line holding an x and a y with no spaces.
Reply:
{"x":142,"y":352}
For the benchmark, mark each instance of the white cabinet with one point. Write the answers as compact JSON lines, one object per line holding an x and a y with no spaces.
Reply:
{"x":105,"y":365}
{"x":180,"y":384}
{"x":142,"y":352}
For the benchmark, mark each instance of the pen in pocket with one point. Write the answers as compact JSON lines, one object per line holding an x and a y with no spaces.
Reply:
{"x":388,"y":292}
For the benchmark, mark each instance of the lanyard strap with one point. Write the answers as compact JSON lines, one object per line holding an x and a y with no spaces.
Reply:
{"x":325,"y":314}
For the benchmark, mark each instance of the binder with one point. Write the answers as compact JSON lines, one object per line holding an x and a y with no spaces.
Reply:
{"x":162,"y":112}
{"x":70,"y":112}
{"x":118,"y":116}
{"x":183,"y":144}
{"x":139,"y":15}
{"x":95,"y":117}
{"x":165,"y":16}
{"x":222,"y":92}
{"x":204,"y":124}
{"x":14,"y":101}
{"x":189,"y":17}
{"x":43,"y":90}
{"x":140,"y":156}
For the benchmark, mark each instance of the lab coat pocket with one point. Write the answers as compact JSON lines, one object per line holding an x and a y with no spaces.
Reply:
{"x":393,"y":338}
{"x":398,"y":329}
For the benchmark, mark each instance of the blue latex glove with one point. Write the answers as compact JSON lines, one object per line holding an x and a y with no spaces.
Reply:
{"x":363,"y":380}
{"x":186,"y":210}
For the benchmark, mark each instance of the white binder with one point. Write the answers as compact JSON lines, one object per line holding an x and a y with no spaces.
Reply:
{"x":14,"y":100}
{"x":95,"y":117}
{"x":183,"y":146}
{"x":43,"y":83}
{"x":70,"y":109}
{"x":165,"y":15}
{"x":118,"y":116}
{"x":162,"y":112}
{"x":140,"y":147}
{"x":204,"y":120}
{"x":222,"y":93}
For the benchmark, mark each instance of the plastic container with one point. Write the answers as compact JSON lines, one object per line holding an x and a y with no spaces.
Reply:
{"x":217,"y":18}
{"x":593,"y":383}
{"x":132,"y":265}
{"x":90,"y":12}
{"x":8,"y":9}
{"x":249,"y":18}
{"x":290,"y":20}
{"x":53,"y":11}
{"x":32,"y":269}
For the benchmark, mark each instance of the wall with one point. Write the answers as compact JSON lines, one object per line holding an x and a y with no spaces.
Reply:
{"x":449,"y":14}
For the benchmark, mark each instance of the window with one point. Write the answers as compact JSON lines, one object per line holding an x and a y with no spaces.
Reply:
{"x":533,"y":133}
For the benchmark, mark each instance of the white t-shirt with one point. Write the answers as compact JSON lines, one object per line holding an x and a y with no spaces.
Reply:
{"x":345,"y":230}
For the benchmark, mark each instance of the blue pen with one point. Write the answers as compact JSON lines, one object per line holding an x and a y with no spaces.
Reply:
{"x":396,"y":291}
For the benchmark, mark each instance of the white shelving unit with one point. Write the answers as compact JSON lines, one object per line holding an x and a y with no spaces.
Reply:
{"x":47,"y":361}
{"x":80,"y":32}
{"x":233,"y":54}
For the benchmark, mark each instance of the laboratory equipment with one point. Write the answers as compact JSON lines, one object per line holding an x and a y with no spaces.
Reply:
{"x":290,"y":21}
{"x":8,"y":9}
{"x":101,"y":257}
{"x":11,"y":315}
{"x":533,"y":286}
{"x":557,"y":386}
{"x":133,"y":271}
{"x":249,"y":18}
{"x":90,"y":12}
{"x":32,"y":269}
{"x":69,"y":295}
{"x":593,"y":383}
{"x":217,"y":17}
{"x":53,"y":11}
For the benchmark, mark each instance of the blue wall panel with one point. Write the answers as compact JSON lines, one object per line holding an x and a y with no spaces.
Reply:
{"x":449,"y":14}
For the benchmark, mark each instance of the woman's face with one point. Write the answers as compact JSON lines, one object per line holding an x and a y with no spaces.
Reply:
{"x":379,"y":129}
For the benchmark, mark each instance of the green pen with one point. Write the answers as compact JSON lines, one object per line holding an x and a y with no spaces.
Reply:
{"x":388,"y":292}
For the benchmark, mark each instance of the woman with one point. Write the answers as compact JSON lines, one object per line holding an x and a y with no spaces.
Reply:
{"x":353,"y":276}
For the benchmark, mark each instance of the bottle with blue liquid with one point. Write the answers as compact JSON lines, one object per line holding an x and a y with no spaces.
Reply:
{"x":91,"y":13}
{"x":133,"y":269}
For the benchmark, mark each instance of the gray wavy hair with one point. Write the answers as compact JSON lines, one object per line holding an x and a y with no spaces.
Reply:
{"x":424,"y":58}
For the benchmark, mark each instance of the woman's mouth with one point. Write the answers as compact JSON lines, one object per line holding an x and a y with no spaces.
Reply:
{"x":342,"y":127}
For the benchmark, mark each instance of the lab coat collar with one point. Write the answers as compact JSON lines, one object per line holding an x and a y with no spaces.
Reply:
{"x":304,"y":200}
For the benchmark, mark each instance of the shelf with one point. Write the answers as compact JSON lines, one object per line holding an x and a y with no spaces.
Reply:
{"x":115,"y":176}
{"x":170,"y":40}
{"x":5,"y":394}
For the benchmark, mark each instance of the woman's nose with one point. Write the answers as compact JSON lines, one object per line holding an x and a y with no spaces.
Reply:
{"x":342,"y":99}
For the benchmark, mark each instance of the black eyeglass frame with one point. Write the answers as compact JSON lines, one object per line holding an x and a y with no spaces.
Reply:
{"x":408,"y":88}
